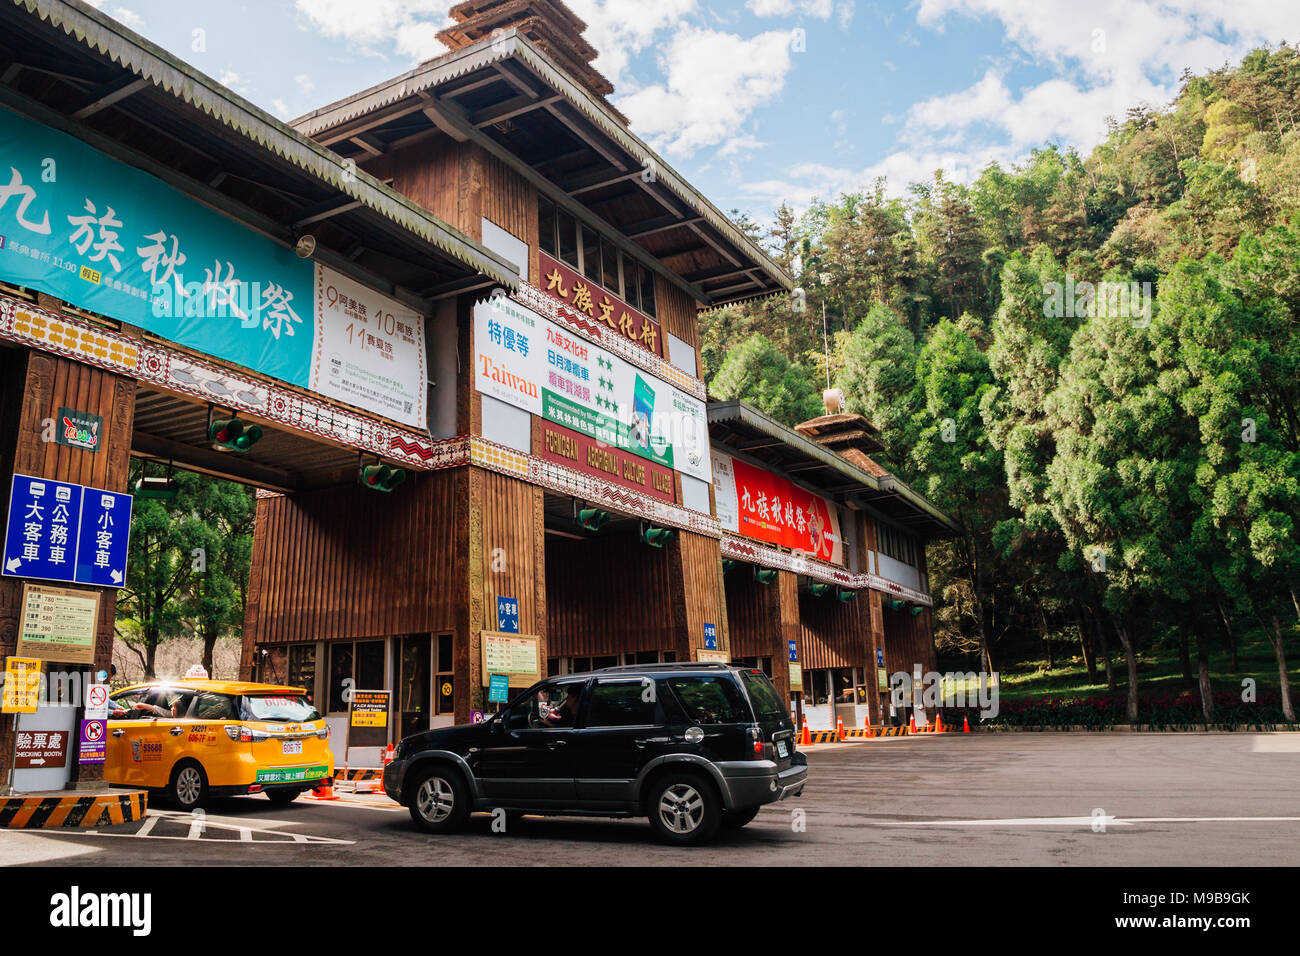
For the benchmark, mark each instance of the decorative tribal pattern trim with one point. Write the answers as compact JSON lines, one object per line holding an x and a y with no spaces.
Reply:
{"x":177,"y":371}
{"x":742,"y":549}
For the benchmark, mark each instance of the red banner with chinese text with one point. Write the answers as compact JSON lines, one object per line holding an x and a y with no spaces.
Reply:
{"x":583,"y":295}
{"x":600,"y":460}
{"x":772,"y":509}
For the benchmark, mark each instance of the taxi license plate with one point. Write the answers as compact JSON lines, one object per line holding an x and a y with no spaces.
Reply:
{"x":782,"y":749}
{"x":291,"y":747}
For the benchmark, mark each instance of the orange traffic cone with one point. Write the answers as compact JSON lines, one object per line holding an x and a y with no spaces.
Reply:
{"x":938,"y":722}
{"x":323,"y":792}
{"x":965,"y":724}
{"x":866,"y":725}
{"x":911,"y":727}
{"x":807,"y":734}
{"x":839,"y":728}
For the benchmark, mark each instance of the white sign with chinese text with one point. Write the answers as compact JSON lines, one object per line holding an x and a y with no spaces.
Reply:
{"x":369,"y":350}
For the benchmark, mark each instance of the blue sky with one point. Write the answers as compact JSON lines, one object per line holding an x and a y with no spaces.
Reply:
{"x":752,"y":110}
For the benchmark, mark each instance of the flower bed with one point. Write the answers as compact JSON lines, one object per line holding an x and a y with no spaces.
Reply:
{"x":1181,"y":712}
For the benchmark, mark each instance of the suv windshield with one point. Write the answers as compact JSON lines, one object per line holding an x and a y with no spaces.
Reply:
{"x":764,"y":696}
{"x":711,"y":700}
{"x":296,"y":709}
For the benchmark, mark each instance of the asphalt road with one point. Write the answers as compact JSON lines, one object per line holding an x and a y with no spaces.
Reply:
{"x":990,"y":799}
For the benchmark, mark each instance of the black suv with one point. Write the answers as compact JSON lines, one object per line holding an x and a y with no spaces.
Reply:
{"x":691,"y":746}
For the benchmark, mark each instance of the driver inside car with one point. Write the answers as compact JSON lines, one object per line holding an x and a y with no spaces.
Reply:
{"x":566,"y":714}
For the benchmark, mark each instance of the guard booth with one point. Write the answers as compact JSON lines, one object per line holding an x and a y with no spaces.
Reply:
{"x":183,"y":280}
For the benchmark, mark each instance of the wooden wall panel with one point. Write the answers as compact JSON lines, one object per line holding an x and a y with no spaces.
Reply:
{"x":833,"y":634}
{"x":700,"y":597}
{"x":677,"y":312}
{"x":347,"y":562}
{"x":606,"y":595}
{"x":909,"y":640}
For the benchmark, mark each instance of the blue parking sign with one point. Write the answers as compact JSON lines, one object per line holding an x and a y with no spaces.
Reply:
{"x":41,"y":535}
{"x":105,"y":534}
{"x":794,"y":652}
{"x":710,"y":637}
{"x":507,"y":615}
{"x":59,"y":531}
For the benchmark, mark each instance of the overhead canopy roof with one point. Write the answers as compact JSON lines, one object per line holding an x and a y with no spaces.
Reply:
{"x":507,"y":95}
{"x":81,"y":72}
{"x":748,"y":430}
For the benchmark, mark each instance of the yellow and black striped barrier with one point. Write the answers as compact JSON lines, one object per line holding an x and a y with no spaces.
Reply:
{"x":98,"y":810}
{"x":356,"y":773}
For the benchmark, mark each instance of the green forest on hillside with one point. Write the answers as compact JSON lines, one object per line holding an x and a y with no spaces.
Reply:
{"x":1124,"y":458}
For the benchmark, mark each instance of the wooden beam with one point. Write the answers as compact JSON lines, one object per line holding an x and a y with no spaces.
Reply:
{"x":371,"y":145}
{"x":576,"y":129}
{"x":597,"y":181}
{"x":210,"y":462}
{"x":328,"y":137}
{"x":110,"y":94}
{"x":322,"y":211}
{"x":525,"y":86}
{"x":509,"y":109}
{"x":650,"y":227}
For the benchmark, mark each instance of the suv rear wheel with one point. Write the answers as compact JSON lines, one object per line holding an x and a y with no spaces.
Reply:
{"x":684,"y":808}
{"x":439,"y":801}
{"x":735,"y":819}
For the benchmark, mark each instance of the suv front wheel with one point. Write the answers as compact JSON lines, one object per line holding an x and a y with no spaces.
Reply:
{"x":684,"y":808}
{"x":439,"y":801}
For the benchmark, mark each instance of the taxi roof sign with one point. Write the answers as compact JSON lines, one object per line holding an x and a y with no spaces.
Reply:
{"x":197,"y":672}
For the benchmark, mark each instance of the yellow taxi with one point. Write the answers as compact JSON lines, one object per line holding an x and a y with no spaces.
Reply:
{"x":195,"y":739}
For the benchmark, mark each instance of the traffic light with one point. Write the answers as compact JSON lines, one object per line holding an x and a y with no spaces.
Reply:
{"x":764,"y":575}
{"x":656,"y":537}
{"x":381,"y":477}
{"x":233,"y":434}
{"x":845,"y":595}
{"x":818,"y":588}
{"x":591,"y":519}
{"x":157,"y":487}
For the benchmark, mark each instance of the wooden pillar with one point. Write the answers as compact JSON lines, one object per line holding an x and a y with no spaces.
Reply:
{"x":33,"y":387}
{"x":697,"y":593}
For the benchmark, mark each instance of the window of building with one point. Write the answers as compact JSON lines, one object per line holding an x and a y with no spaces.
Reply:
{"x":595,"y":256}
{"x":895,"y":544}
{"x":591,"y":256}
{"x":445,"y":678}
{"x":302,"y":667}
{"x":568,"y":238}
{"x":354,"y":665}
{"x":546,"y":225}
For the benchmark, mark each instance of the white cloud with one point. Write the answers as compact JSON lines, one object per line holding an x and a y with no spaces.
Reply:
{"x":821,"y":9}
{"x":306,"y":85}
{"x":281,"y":108}
{"x":375,"y":26}
{"x":128,"y":18}
{"x":744,"y":143}
{"x":620,"y":29}
{"x":713,"y":82}
{"x":232,"y":80}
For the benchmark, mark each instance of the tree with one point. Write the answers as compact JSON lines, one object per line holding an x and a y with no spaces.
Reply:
{"x":187,"y":561}
{"x":878,"y":375}
{"x":757,"y":373}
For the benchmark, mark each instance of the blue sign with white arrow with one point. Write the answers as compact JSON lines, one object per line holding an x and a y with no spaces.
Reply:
{"x":58,"y":531}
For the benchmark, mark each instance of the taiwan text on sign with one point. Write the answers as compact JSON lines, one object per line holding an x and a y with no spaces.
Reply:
{"x":58,"y":531}
{"x":498,"y":688}
{"x":94,"y":741}
{"x":796,"y":676}
{"x":507,"y":615}
{"x":40,"y":749}
{"x":22,"y":688}
{"x":531,"y":363}
{"x":58,"y":624}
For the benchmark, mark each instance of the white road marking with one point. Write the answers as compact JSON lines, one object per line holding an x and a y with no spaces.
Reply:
{"x":1089,"y":821}
{"x":199,"y":826}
